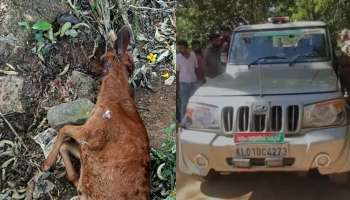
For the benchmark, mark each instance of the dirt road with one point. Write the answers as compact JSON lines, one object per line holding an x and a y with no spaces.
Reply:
{"x":261,"y":186}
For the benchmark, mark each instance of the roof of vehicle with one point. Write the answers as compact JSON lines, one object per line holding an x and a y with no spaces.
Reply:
{"x":280,"y":26}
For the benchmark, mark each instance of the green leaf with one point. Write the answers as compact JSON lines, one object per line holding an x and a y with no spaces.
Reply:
{"x":173,"y":149}
{"x":34,"y":49}
{"x":42,"y":26}
{"x":40,"y":46}
{"x":79,"y":25}
{"x":51,"y":37}
{"x":39,"y":37}
{"x":41,"y":57}
{"x":72,"y":33}
{"x":170,"y":129}
{"x":64,"y":28}
{"x":24,"y":24}
{"x":93,"y":5}
{"x":141,"y":37}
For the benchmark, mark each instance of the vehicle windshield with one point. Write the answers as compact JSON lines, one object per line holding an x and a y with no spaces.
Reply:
{"x":307,"y":44}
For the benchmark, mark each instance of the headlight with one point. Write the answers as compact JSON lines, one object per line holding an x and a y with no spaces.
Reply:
{"x":201,"y":116}
{"x":327,"y":113}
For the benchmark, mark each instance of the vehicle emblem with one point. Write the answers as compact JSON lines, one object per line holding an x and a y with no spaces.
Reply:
{"x":260,"y":108}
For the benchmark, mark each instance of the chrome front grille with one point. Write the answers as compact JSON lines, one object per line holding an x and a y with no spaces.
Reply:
{"x":293,"y":117}
{"x":227,"y":117}
{"x":259,"y":122}
{"x":243,"y":118}
{"x":276,"y":119}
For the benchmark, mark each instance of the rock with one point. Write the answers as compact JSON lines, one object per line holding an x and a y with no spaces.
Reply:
{"x":75,"y":112}
{"x":67,"y":17}
{"x":10,"y":89}
{"x":83,"y":85}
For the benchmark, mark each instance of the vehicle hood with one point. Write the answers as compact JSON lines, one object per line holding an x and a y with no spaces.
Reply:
{"x":272,"y":79}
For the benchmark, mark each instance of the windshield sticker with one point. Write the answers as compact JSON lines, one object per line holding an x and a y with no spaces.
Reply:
{"x":247,"y":35}
{"x":291,"y":33}
{"x":278,"y":33}
{"x":314,"y":31}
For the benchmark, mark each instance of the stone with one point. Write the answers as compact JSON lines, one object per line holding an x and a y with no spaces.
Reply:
{"x":10,"y":93}
{"x":75,"y":112}
{"x":83,"y":85}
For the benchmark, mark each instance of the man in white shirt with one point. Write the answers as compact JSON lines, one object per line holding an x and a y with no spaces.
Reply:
{"x":186,"y":63}
{"x":345,"y":39}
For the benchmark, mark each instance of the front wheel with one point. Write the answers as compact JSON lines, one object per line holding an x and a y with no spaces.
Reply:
{"x":339,"y":178}
{"x":212,"y":175}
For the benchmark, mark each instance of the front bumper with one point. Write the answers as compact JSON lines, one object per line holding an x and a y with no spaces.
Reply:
{"x":215,"y":150}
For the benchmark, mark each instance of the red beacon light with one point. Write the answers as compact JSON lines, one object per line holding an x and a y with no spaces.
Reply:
{"x":278,"y":20}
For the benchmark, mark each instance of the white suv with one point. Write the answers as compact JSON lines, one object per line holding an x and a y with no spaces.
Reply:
{"x":278,"y":107}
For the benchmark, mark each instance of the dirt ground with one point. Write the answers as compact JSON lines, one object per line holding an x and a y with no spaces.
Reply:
{"x":155,"y":107}
{"x":261,"y":186}
{"x":157,"y":110}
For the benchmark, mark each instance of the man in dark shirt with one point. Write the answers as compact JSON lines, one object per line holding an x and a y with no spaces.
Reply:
{"x":197,"y":49}
{"x":225,"y":43}
{"x":212,"y":62}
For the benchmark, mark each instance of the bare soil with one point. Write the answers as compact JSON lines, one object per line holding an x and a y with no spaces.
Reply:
{"x":155,"y":108}
{"x":261,"y":186}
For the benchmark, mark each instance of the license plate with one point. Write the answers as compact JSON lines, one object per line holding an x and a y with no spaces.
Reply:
{"x":261,"y":151}
{"x":258,"y":137}
{"x":260,"y":145}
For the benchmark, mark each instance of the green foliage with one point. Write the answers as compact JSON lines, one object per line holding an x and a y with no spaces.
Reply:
{"x":24,"y":24}
{"x":43,"y":34}
{"x":64,"y":28}
{"x":196,"y":18}
{"x":163,"y":161}
{"x":42,"y":26}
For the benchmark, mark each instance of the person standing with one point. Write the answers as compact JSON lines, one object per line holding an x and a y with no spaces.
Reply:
{"x":345,"y":39}
{"x":186,"y":65}
{"x":196,"y":47}
{"x":225,"y":43}
{"x":212,"y":57}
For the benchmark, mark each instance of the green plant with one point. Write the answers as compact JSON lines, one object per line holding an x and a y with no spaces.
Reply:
{"x":43,"y":34}
{"x":164,"y":166}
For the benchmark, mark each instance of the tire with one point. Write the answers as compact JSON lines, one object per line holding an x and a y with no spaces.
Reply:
{"x":302,"y":173}
{"x":339,"y":178}
{"x":212,"y":175}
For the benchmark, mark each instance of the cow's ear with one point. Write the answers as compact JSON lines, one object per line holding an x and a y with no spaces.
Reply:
{"x":123,"y":40}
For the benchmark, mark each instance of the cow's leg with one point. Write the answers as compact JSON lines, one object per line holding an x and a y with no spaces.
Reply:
{"x":75,"y":132}
{"x":66,"y":149}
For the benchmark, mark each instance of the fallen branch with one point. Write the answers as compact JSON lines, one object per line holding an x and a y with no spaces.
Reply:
{"x":13,"y":130}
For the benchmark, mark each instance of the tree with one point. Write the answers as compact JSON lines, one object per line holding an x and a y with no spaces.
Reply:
{"x":197,"y":18}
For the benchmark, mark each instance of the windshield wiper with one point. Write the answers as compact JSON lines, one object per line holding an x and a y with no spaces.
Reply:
{"x":265,"y":57}
{"x":297,"y":57}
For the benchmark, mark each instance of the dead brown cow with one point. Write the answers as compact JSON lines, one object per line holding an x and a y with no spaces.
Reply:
{"x":112,"y":145}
